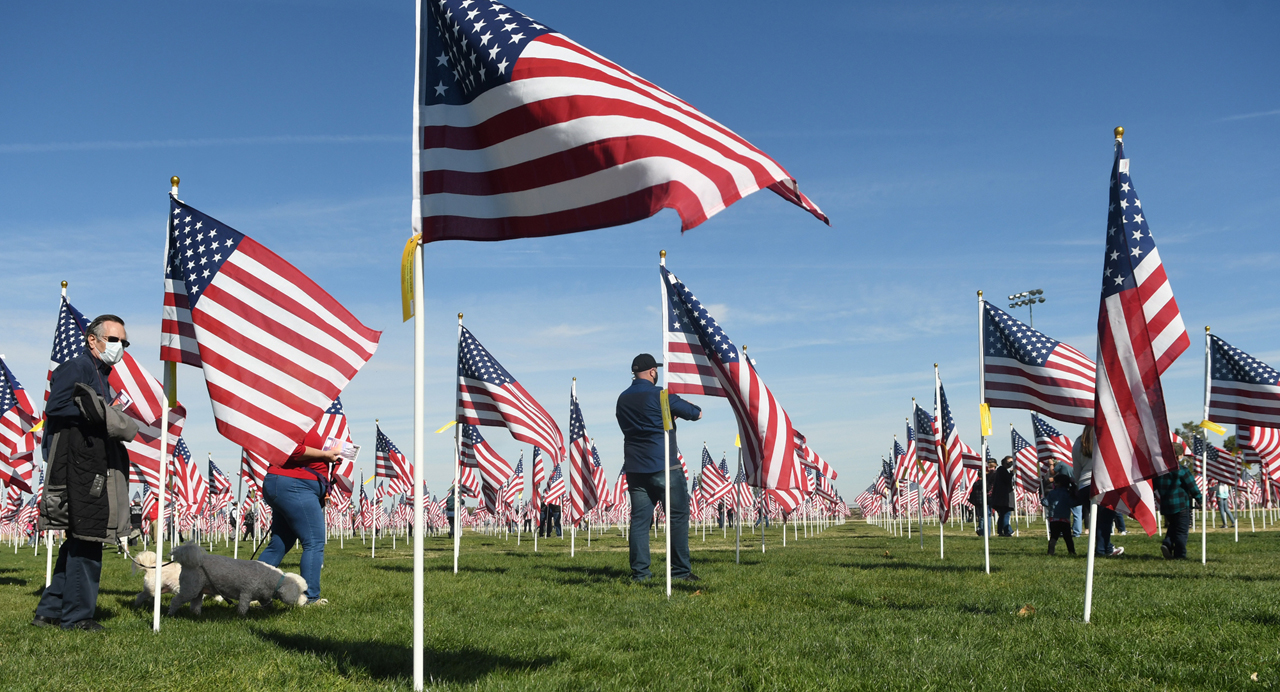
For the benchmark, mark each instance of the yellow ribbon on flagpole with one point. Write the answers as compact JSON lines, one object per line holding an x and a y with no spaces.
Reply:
{"x":446,"y":426}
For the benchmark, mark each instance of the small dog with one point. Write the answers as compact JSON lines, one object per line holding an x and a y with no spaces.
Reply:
{"x":169,"y":575}
{"x":238,"y":580}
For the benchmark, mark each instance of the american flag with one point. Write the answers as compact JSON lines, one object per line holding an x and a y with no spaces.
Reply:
{"x":1025,"y":461}
{"x":333,"y":423}
{"x":714,"y":483}
{"x":218,"y":481}
{"x":869,"y":501}
{"x":743,"y":497}
{"x":582,"y":486}
{"x":807,"y":457}
{"x":188,"y":481}
{"x":527,"y":134}
{"x":922,"y":445}
{"x":1140,"y":333}
{"x":620,"y":490}
{"x":276,"y":350}
{"x":824,"y":488}
{"x":476,"y":453}
{"x":252,"y":468}
{"x":1260,"y":446}
{"x":13,"y":504}
{"x":515,"y":484}
{"x":68,"y":339}
{"x":1243,"y":390}
{"x":539,"y":477}
{"x":768,"y":440}
{"x":555,"y":487}
{"x":953,"y":452}
{"x":489,"y":395}
{"x":17,"y":443}
{"x":1051,"y":445}
{"x":1023,"y":368}
{"x":388,"y":461}
{"x":597,"y":475}
{"x":1223,"y":465}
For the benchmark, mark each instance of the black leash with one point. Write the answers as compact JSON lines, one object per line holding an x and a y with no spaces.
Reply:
{"x":265,"y":539}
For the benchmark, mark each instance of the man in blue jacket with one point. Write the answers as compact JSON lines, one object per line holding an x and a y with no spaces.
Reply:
{"x":640,"y":417}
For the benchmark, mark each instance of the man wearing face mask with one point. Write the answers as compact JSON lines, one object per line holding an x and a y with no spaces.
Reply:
{"x":87,"y":462}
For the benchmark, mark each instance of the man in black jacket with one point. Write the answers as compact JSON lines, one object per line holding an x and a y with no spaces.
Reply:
{"x":83,"y":446}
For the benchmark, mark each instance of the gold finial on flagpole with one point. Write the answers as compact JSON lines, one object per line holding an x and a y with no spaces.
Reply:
{"x":979,"y":293}
{"x":1206,"y":329}
{"x":662,"y":254}
{"x":935,"y":365}
{"x":174,"y":181}
{"x":64,"y":285}
{"x":1119,"y":133}
{"x":459,"y":317}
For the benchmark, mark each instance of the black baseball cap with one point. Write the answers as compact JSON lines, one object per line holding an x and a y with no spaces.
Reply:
{"x":643,"y":362}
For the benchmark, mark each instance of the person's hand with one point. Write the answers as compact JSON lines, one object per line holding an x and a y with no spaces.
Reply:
{"x":699,"y":416}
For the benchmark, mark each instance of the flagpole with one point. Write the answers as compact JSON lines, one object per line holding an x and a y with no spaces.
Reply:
{"x":666,"y":433}
{"x":167,"y":401}
{"x":457,"y":490}
{"x":419,"y":357}
{"x":1088,"y":579}
{"x":941,"y":442}
{"x":1204,"y":459}
{"x":573,"y":519}
{"x":737,"y":511}
{"x":982,"y":431}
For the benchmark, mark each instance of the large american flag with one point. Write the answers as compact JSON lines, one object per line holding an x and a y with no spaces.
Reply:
{"x":388,"y":461}
{"x":1140,"y":333}
{"x":1025,"y":460}
{"x":1243,"y":390}
{"x":768,"y":440}
{"x":526,"y":134}
{"x":17,"y":443}
{"x":582,"y":486}
{"x":1023,"y":368}
{"x":714,"y":483}
{"x":276,"y":350}
{"x":489,"y":395}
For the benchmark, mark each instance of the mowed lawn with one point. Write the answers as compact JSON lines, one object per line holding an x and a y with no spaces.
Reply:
{"x":850,"y":608}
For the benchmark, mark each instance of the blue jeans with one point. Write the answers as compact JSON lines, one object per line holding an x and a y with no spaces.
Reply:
{"x":1002,"y":526}
{"x":645,"y":491}
{"x":1176,"y":528}
{"x":1225,"y":512}
{"x":981,"y":525}
{"x":72,"y":594}
{"x":1106,"y":520}
{"x":1076,"y":521}
{"x":296,"y":516}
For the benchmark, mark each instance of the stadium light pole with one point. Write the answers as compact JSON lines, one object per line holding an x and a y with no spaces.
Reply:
{"x":1028,"y":298}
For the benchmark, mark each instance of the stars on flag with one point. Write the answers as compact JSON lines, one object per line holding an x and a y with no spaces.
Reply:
{"x":480,"y":41}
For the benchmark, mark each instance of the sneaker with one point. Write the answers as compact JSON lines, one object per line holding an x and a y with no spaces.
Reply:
{"x":689,"y":577}
{"x":1166,"y":552}
{"x":317,"y":602}
{"x":1124,"y":533}
{"x":1116,"y":551}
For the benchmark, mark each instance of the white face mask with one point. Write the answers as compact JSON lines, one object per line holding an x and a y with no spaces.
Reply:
{"x":112,"y":352}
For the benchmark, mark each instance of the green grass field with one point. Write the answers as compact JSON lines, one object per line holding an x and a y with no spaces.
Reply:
{"x":851,"y":608}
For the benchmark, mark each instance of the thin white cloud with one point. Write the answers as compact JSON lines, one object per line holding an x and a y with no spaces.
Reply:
{"x":1248,"y":116}
{"x":116,"y":145}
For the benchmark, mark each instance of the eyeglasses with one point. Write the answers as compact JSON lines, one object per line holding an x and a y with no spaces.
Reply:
{"x":115,"y":339}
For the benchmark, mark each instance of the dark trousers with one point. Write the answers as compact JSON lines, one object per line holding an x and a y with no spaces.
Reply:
{"x":1177,"y":526}
{"x":72,"y":594}
{"x":1105,"y":522}
{"x":550,"y":521}
{"x":645,"y":491}
{"x":1061,"y":529}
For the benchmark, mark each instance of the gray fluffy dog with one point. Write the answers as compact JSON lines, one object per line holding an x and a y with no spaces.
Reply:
{"x":235,"y":580}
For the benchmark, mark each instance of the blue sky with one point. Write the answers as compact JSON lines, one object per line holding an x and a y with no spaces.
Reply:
{"x":955,"y":146}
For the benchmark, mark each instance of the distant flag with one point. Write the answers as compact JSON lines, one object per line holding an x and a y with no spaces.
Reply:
{"x":1025,"y":460}
{"x":68,"y":338}
{"x":1024,"y":369}
{"x":922,"y":445}
{"x":1261,"y":446}
{"x":333,"y":423}
{"x":582,"y":487}
{"x":388,"y":460}
{"x":1051,"y":445}
{"x":275,"y":348}
{"x":17,"y":443}
{"x":190,"y":484}
{"x":253,"y":469}
{"x":218,"y":482}
{"x":515,"y":484}
{"x":1222,"y":465}
{"x":1243,"y":390}
{"x":714,"y":482}
{"x":489,"y":395}
{"x":807,"y":457}
{"x":533,"y":135}
{"x":620,"y":490}
{"x":597,"y":475}
{"x":701,"y":359}
{"x":477,"y":454}
{"x":539,"y":477}
{"x":1140,"y":333}
{"x":555,"y":487}
{"x":952,"y":465}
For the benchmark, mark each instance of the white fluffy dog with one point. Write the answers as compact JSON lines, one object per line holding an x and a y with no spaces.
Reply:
{"x":168,"y":577}
{"x":235,"y":580}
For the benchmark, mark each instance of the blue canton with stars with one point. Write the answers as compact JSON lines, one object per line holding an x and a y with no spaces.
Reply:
{"x":707,"y":460}
{"x":475,"y":362}
{"x":898,"y":451}
{"x":924,"y":421}
{"x":1129,"y":239}
{"x":335,"y":409}
{"x":470,"y":47}
{"x":8,"y":385}
{"x":1043,"y":429}
{"x":555,"y":476}
{"x":68,"y":338}
{"x":577,"y":426}
{"x":198,"y":247}
{"x":181,"y":451}
{"x":1018,"y":442}
{"x":1004,"y":336}
{"x":685,"y":314}
{"x":595,"y":456}
{"x":383,"y":445}
{"x":471,"y":434}
{"x":724,"y":466}
{"x":1233,"y":365}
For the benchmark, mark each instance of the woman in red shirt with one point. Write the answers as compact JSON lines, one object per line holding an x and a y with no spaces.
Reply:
{"x":295,"y":491}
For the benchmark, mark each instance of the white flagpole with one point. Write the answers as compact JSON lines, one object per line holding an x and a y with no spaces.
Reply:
{"x":573,"y":524}
{"x":982,"y":431}
{"x":419,"y":357}
{"x":941,"y":446}
{"x":170,"y":393}
{"x":1088,"y":579}
{"x":1204,"y":460}
{"x":737,"y":511}
{"x":666,"y":434}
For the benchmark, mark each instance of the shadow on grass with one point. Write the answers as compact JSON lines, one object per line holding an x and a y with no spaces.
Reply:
{"x":14,"y":581}
{"x":578,"y":575}
{"x":383,"y":661}
{"x":445,"y":567}
{"x":906,"y":566}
